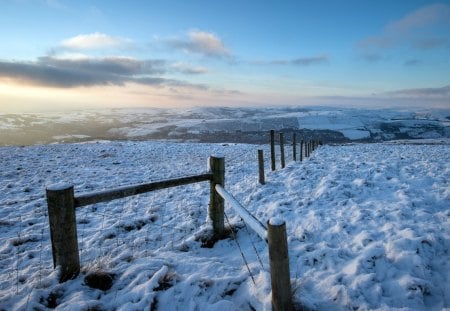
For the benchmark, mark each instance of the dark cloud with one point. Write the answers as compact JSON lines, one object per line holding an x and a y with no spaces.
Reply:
{"x":306,"y":61}
{"x":438,"y":92}
{"x":431,"y":43}
{"x":301,"y":61}
{"x":412,"y":62}
{"x":188,"y":69}
{"x":66,"y":73}
{"x":373,"y":57}
{"x":426,"y":28}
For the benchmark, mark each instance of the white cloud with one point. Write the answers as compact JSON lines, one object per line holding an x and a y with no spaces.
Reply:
{"x":208,"y":43}
{"x":201,"y":42}
{"x":94,"y":41}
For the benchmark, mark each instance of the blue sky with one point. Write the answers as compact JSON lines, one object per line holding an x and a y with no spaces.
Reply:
{"x":58,"y":54}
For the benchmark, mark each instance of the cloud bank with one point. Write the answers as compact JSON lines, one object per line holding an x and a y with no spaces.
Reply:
{"x":68,"y":64}
{"x":67,"y":73}
{"x":423,"y":93}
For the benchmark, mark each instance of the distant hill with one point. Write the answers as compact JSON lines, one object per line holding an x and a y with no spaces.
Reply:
{"x":221,"y":124}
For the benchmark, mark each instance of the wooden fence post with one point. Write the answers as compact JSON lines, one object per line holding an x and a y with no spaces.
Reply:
{"x":301,"y":150}
{"x":294,"y":147}
{"x":216,"y":202}
{"x":63,"y":230}
{"x":272,"y":149}
{"x":283,"y":162}
{"x":261,"y":166}
{"x":279,"y":265}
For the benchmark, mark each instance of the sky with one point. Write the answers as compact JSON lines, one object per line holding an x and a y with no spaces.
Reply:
{"x":57,"y":54}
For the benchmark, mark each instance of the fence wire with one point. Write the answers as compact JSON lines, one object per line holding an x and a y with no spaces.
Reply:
{"x":136,"y":226}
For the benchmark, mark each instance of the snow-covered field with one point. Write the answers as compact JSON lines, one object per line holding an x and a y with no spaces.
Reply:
{"x":368,"y":228}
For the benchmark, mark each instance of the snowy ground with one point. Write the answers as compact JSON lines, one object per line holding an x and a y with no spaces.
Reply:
{"x":368,"y":228}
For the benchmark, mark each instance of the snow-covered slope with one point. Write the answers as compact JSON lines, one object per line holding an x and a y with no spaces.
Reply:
{"x":368,"y":227}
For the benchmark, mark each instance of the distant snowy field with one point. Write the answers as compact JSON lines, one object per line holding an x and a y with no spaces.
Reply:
{"x":222,"y":124}
{"x":368,"y":228}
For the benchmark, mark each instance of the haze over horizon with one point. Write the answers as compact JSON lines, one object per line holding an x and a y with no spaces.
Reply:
{"x":59,"y":54}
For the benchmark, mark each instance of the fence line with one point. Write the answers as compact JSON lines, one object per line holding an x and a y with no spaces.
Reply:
{"x":62,"y":203}
{"x":29,"y":257}
{"x":63,"y":196}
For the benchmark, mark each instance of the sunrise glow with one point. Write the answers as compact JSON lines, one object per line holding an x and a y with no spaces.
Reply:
{"x":64,"y":55}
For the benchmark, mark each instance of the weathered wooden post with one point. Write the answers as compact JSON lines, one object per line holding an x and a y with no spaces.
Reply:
{"x":301,"y":150}
{"x":272,"y":149}
{"x":63,"y":230}
{"x":279,"y":265}
{"x":261,"y":166}
{"x":216,"y":202}
{"x":283,"y":162}
{"x":294,"y":147}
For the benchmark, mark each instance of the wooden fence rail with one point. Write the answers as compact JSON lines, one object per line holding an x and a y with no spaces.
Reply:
{"x":275,"y":235}
{"x":123,"y":192}
{"x":249,"y":219}
{"x":62,"y":202}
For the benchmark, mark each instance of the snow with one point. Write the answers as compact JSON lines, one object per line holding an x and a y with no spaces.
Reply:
{"x":368,"y":227}
{"x":276,"y":221}
{"x":59,"y":186}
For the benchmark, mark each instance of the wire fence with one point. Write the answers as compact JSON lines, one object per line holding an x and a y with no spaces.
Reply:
{"x":135,"y":227}
{"x":24,"y":251}
{"x":140,"y":226}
